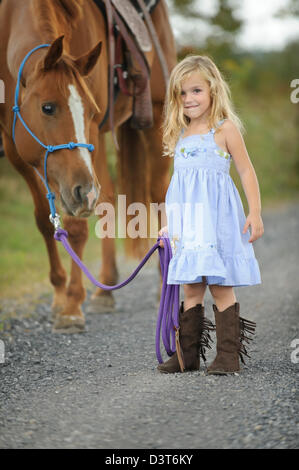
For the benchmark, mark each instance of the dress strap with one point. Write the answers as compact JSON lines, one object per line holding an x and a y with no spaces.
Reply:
{"x":182,"y":133}
{"x":213,"y":130}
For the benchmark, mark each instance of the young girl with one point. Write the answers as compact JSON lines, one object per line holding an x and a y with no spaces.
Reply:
{"x":207,"y":227}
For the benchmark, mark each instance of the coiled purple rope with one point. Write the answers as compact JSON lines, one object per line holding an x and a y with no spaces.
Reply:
{"x":168,"y":316}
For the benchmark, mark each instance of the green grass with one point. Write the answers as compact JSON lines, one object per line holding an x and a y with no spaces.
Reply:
{"x":271,"y":140}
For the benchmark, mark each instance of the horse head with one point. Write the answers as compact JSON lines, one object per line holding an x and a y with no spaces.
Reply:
{"x":58,"y":107}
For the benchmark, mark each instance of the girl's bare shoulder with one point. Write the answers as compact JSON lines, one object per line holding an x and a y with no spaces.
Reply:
{"x":230,"y":131}
{"x":229,"y":126}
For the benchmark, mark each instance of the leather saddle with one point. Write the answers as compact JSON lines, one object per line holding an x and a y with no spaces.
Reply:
{"x":129,"y":73}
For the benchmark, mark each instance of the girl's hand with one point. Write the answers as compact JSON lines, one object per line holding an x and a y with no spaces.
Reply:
{"x":163,"y":230}
{"x":257,"y":226}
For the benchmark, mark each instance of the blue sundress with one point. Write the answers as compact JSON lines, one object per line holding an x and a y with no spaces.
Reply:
{"x":205,"y":218}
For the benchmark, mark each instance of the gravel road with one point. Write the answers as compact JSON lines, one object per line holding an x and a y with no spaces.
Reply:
{"x":101,"y":389}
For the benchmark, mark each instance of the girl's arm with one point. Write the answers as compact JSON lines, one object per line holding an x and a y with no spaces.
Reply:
{"x":237,"y":149}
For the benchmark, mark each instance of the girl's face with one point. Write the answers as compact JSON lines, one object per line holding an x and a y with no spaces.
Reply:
{"x":195,"y":96}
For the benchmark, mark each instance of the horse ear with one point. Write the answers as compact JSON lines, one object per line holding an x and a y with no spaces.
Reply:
{"x":86,"y":62}
{"x":54,"y":53}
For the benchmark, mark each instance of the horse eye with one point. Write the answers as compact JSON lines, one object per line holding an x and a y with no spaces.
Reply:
{"x":48,"y":108}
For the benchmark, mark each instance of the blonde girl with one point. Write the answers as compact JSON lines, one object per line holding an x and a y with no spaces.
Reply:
{"x":207,"y":227}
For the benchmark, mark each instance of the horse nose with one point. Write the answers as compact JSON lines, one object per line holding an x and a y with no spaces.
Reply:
{"x":81,"y":193}
{"x":78,"y":193}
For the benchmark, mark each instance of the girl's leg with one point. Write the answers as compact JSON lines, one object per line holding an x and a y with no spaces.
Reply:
{"x":194,"y":294}
{"x":223,"y":296}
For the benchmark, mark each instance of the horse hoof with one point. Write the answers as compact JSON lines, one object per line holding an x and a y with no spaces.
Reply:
{"x":56,"y":309}
{"x":58,"y":304}
{"x":68,"y":324}
{"x":101,"y":304}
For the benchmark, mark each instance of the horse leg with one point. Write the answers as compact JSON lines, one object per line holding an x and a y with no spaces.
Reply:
{"x":71,"y":319}
{"x":159,"y":168}
{"x":57,"y":272}
{"x":103,"y":301}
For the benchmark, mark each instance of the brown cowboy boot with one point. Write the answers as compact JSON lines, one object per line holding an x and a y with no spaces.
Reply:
{"x":192,"y":338}
{"x":231,"y":331}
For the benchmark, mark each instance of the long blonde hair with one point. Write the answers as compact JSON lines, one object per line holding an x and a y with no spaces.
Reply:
{"x":174,"y":119}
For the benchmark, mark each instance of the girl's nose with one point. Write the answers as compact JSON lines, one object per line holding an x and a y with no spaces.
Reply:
{"x":187,"y":97}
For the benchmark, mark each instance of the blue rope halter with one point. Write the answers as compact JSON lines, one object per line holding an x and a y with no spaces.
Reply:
{"x":49,"y":148}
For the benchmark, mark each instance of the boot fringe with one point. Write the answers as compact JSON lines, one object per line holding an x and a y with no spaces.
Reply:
{"x":205,"y":339}
{"x":179,"y":350}
{"x":246,"y":327}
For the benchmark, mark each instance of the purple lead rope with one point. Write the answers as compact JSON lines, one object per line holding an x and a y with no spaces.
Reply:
{"x":168,"y":316}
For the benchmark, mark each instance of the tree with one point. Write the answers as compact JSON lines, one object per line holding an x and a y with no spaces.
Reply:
{"x":292,"y":9}
{"x":223,"y":25}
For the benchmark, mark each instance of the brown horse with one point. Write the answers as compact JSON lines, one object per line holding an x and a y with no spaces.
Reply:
{"x":63,"y":98}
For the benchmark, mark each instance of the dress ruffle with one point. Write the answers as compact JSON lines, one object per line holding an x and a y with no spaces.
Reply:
{"x":236,"y":271}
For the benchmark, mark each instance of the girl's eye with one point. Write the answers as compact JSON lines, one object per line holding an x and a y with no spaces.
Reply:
{"x":49,"y":109}
{"x":197,"y":90}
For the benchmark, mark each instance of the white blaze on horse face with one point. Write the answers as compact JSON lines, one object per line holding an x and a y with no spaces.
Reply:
{"x":77,"y":112}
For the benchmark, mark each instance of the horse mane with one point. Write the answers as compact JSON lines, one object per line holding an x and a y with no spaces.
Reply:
{"x":56,"y":17}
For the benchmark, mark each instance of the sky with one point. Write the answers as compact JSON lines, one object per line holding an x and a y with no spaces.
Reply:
{"x":261,"y":30}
